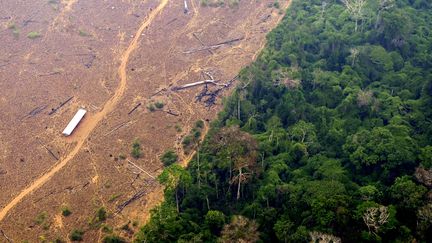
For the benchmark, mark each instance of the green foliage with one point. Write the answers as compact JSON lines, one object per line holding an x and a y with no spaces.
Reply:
{"x":334,"y":121}
{"x":101,"y":214}
{"x":169,"y":158}
{"x":159,"y":105}
{"x":76,"y":235}
{"x":33,"y":35}
{"x":151,"y":107}
{"x":113,"y":239}
{"x":65,"y":211}
{"x":136,"y":149}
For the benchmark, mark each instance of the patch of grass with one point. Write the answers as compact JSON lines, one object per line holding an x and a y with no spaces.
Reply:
{"x":199,"y":124}
{"x":159,"y":104}
{"x":11,"y":26}
{"x":136,"y":149}
{"x":107,"y":229}
{"x":169,"y":158}
{"x":101,"y":214}
{"x":83,"y":33}
{"x":178,"y":128}
{"x":113,"y":239}
{"x":151,"y":107}
{"x":33,"y":35}
{"x":193,"y":138}
{"x":76,"y":235}
{"x":65,"y":211}
{"x":41,"y":217}
{"x":122,"y":156}
{"x":114,"y":197}
{"x":99,"y":217}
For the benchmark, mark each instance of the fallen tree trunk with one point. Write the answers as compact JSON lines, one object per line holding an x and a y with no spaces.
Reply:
{"x":5,"y":236}
{"x":54,"y":110}
{"x":213,"y":46}
{"x":139,"y":168}
{"x":196,"y":84}
{"x":135,"y":197}
{"x":136,"y":107}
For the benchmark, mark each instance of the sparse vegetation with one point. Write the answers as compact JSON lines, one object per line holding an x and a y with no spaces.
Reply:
{"x":122,"y":156}
{"x":83,"y":33}
{"x":136,"y":149}
{"x":33,"y":35}
{"x":169,"y":158}
{"x":13,"y":27}
{"x":42,"y":220}
{"x":107,"y":229}
{"x":65,"y":211}
{"x":159,"y":104}
{"x":101,"y":214}
{"x":113,"y":239}
{"x":151,"y":107}
{"x":191,"y":140}
{"x":114,"y":197}
{"x":76,"y":235}
{"x":219,"y":3}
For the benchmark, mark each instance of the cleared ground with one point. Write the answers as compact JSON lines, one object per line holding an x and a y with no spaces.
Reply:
{"x":106,"y":56}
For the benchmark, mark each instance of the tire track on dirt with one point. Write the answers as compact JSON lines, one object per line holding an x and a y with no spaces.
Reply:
{"x":92,"y":121}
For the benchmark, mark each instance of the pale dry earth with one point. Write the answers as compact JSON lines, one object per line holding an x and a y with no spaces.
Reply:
{"x":109,"y":56}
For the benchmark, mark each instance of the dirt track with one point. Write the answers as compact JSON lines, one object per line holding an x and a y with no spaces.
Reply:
{"x":97,"y":61}
{"x":92,"y":121}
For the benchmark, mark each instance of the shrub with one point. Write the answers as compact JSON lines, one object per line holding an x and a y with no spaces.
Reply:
{"x":33,"y":35}
{"x":101,"y":214}
{"x":122,"y":156}
{"x":169,"y":158}
{"x":151,"y":107}
{"x":65,"y":211}
{"x":136,"y":149}
{"x":113,"y":239}
{"x":76,"y":235}
{"x":199,"y":124}
{"x":159,"y":105}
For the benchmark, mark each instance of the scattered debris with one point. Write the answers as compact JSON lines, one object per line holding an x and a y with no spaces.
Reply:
{"x":211,"y":95}
{"x":135,"y":197}
{"x":54,"y":110}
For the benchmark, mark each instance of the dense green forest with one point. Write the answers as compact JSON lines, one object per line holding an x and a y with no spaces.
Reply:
{"x":327,"y":136}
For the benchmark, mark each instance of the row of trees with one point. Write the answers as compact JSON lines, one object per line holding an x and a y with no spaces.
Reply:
{"x":321,"y":140}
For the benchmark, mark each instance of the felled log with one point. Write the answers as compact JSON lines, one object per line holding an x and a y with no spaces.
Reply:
{"x":136,"y":107}
{"x":54,"y":110}
{"x":135,"y":197}
{"x":213,"y":46}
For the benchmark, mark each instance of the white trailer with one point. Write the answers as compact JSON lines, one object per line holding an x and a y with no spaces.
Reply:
{"x":74,"y":122}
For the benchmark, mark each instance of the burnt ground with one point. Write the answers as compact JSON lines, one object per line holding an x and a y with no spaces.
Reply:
{"x":106,"y":56}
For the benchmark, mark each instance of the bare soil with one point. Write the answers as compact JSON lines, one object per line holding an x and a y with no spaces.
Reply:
{"x":109,"y":56}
